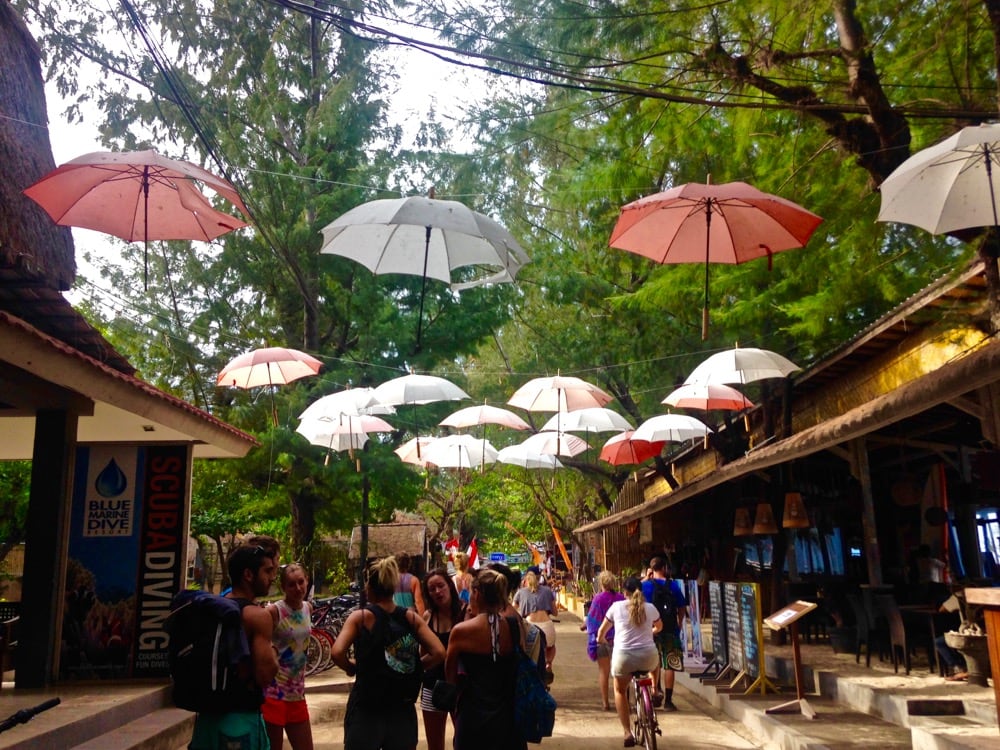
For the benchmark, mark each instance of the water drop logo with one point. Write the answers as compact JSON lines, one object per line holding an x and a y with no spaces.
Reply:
{"x":112,"y":481}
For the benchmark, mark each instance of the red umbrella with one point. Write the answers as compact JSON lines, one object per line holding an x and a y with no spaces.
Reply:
{"x":622,"y":449}
{"x":728,"y":223}
{"x":136,"y":195}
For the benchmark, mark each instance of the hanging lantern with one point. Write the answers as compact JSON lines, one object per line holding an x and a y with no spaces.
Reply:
{"x":763,"y":522}
{"x":795,"y":516}
{"x":741,"y":522}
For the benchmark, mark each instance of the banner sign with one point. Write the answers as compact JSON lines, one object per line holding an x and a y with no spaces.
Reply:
{"x":127,"y":546}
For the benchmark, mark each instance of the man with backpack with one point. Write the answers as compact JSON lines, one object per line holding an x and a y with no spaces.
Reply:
{"x":234,"y":719}
{"x":668,"y":597}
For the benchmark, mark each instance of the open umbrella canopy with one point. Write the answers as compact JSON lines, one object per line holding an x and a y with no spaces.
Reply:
{"x":592,"y":419}
{"x":741,"y":366}
{"x":351,"y":401}
{"x":136,"y":195}
{"x":555,"y":444}
{"x":417,"y":389}
{"x":519,"y":455}
{"x":412,"y":451}
{"x":324,"y":435}
{"x":558,"y":393}
{"x":459,"y":452}
{"x":948,"y":186}
{"x":625,"y":449}
{"x":472,"y":416}
{"x":707,"y":397}
{"x":672,"y":428}
{"x":269,"y":366}
{"x":704,"y":223}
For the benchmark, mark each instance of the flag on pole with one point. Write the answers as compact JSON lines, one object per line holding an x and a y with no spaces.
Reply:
{"x":559,"y":542}
{"x":473,"y":553}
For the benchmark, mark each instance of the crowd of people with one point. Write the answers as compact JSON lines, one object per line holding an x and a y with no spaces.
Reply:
{"x":419,"y":642}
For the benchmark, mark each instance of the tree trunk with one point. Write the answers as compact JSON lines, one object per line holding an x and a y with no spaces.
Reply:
{"x":303,"y":524}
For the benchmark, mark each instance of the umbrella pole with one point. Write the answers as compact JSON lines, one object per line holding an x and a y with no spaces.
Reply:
{"x":423,"y":284}
{"x":708,"y":241}
{"x":989,"y":178}
{"x":145,"y":228}
{"x":270,"y":387}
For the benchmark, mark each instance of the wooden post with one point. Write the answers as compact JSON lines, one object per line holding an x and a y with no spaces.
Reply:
{"x":989,"y":600}
{"x":861,"y":471}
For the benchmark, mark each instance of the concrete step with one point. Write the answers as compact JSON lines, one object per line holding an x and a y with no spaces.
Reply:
{"x":163,"y":729}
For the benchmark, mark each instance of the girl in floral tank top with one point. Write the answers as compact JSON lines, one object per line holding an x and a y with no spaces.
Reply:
{"x":285,"y":710}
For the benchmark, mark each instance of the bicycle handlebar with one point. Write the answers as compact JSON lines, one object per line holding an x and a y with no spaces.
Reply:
{"x":27,"y":714}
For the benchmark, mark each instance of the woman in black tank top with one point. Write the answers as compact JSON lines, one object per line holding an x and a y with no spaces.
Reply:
{"x":443,"y":611}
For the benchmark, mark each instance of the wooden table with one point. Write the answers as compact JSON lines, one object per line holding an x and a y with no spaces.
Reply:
{"x":989,"y":600}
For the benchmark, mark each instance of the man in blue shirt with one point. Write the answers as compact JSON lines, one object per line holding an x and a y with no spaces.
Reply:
{"x":668,"y":597}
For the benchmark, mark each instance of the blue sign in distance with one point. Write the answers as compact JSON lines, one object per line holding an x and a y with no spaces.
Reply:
{"x":498,"y":557}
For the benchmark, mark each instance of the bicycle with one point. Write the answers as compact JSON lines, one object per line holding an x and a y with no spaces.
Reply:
{"x":645,"y":727}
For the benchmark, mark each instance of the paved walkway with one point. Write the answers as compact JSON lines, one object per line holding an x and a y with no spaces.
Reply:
{"x":581,"y":724}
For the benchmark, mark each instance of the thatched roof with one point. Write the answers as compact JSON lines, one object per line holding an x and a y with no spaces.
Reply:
{"x":32,"y":247}
{"x":386,"y":539}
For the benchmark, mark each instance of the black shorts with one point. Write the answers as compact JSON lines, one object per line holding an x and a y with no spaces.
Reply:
{"x":380,"y":728}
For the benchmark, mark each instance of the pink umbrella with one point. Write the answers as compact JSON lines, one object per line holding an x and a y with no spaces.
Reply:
{"x":623,"y":449}
{"x":707,"y":396}
{"x":471,"y":416}
{"x":410,"y":451}
{"x":555,"y":444}
{"x":136,"y":195}
{"x":558,"y":393}
{"x":677,"y":226}
{"x":270,"y":366}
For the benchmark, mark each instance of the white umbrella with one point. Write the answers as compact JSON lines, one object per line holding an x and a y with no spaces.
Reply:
{"x":741,"y":366}
{"x":706,"y":397}
{"x":555,"y":443}
{"x":948,"y":186}
{"x":593,"y":419}
{"x":471,"y":416}
{"x":519,"y":455}
{"x":424,"y":237}
{"x":319,"y":434}
{"x":411,"y":451}
{"x":320,"y":430}
{"x":417,"y":389}
{"x":673,"y":428}
{"x":558,"y":393}
{"x":459,"y":452}
{"x":352,"y":401}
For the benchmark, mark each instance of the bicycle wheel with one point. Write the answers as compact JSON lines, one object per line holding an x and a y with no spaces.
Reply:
{"x":314,"y":653}
{"x":635,"y":704}
{"x":327,"y":640}
{"x":648,"y":740}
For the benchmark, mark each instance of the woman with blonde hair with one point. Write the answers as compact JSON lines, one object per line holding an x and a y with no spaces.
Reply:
{"x":635,"y":622}
{"x":462,"y":577}
{"x":378,"y":716}
{"x":537,"y":604}
{"x":482,"y":662}
{"x":599,"y":650}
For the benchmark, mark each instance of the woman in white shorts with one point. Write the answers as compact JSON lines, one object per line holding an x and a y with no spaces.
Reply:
{"x":537,"y":604}
{"x":635,"y":622}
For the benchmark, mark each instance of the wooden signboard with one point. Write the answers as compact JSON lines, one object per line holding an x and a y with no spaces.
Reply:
{"x":749,"y":620}
{"x":788,"y":617}
{"x":734,"y":626}
{"x":720,"y":653}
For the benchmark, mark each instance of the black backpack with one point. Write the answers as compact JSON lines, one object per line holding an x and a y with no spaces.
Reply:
{"x":665,"y":603}
{"x":208,"y":654}
{"x":391,"y":671}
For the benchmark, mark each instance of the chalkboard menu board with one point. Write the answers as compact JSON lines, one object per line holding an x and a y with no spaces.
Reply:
{"x":734,"y":637}
{"x":750,"y":617}
{"x":719,"y":651}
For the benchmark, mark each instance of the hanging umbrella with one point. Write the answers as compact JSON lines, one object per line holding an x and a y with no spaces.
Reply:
{"x":417,"y":389}
{"x":270,"y":366}
{"x":625,"y":449}
{"x":948,"y":186}
{"x":352,"y":401}
{"x":593,"y":419}
{"x":519,"y":455}
{"x":673,"y":428}
{"x":136,"y":195}
{"x":707,"y":397}
{"x":323,"y":434}
{"x":471,"y":416}
{"x":741,"y":366}
{"x":728,"y":223}
{"x":459,"y":452}
{"x":424,"y":237}
{"x":560,"y":393}
{"x":410,"y":451}
{"x":555,"y":444}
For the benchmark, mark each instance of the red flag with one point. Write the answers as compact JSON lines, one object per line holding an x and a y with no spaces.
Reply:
{"x":473,"y":553}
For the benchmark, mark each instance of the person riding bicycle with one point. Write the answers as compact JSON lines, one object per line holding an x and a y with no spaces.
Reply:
{"x":636,"y":622}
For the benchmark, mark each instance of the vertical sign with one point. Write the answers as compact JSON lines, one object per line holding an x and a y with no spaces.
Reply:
{"x":126,"y":559}
{"x":734,"y":635}
{"x":694,"y":648}
{"x":750,"y":614}
{"x":718,"y":613}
